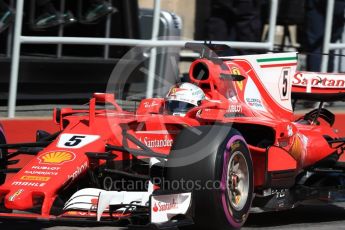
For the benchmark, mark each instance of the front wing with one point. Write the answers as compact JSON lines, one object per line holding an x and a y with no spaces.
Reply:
{"x":120,"y":209}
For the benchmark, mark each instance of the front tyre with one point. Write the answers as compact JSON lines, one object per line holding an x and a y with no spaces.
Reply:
{"x":227,"y":167}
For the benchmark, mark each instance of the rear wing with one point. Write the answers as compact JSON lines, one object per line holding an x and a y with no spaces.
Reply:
{"x":315,"y":86}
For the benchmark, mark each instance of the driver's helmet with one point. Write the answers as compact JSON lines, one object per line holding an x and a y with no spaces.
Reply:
{"x":183,"y":97}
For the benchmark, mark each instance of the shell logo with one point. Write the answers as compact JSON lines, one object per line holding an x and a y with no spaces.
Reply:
{"x":56,"y":157}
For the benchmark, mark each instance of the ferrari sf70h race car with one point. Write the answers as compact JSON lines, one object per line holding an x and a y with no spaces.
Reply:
{"x":240,"y":150}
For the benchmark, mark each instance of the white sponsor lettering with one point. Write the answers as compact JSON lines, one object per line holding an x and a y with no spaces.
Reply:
{"x":150,"y":104}
{"x":157,"y":143}
{"x":78,"y":171}
{"x":235,"y":109}
{"x":319,"y":81}
{"x":32,"y":172}
{"x":46,"y":168}
{"x":161,"y":207}
{"x":28,"y":184}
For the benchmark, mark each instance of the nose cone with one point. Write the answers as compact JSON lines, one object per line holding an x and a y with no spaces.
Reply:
{"x":20,"y":199}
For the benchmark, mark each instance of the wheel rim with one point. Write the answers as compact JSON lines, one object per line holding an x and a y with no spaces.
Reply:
{"x":237,"y":181}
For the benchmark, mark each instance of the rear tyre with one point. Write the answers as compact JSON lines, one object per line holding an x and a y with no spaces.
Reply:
{"x":223,"y":180}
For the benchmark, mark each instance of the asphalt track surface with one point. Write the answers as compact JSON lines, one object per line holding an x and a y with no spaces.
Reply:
{"x":322,"y":217}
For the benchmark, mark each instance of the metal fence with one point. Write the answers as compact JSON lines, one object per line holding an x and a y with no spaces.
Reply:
{"x":19,"y":39}
{"x":327,"y":44}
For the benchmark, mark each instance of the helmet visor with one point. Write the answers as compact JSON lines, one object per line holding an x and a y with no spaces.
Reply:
{"x":178,"y":107}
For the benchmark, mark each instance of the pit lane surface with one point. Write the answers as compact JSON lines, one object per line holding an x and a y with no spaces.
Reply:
{"x":303,"y":217}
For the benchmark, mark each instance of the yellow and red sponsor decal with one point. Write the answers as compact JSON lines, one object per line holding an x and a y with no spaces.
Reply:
{"x":297,"y":147}
{"x":35,"y":178}
{"x":56,"y":157}
{"x":16,"y":194}
{"x":175,"y":90}
{"x":236,"y":71}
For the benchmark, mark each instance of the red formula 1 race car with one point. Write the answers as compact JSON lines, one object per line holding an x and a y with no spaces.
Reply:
{"x":235,"y":149}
